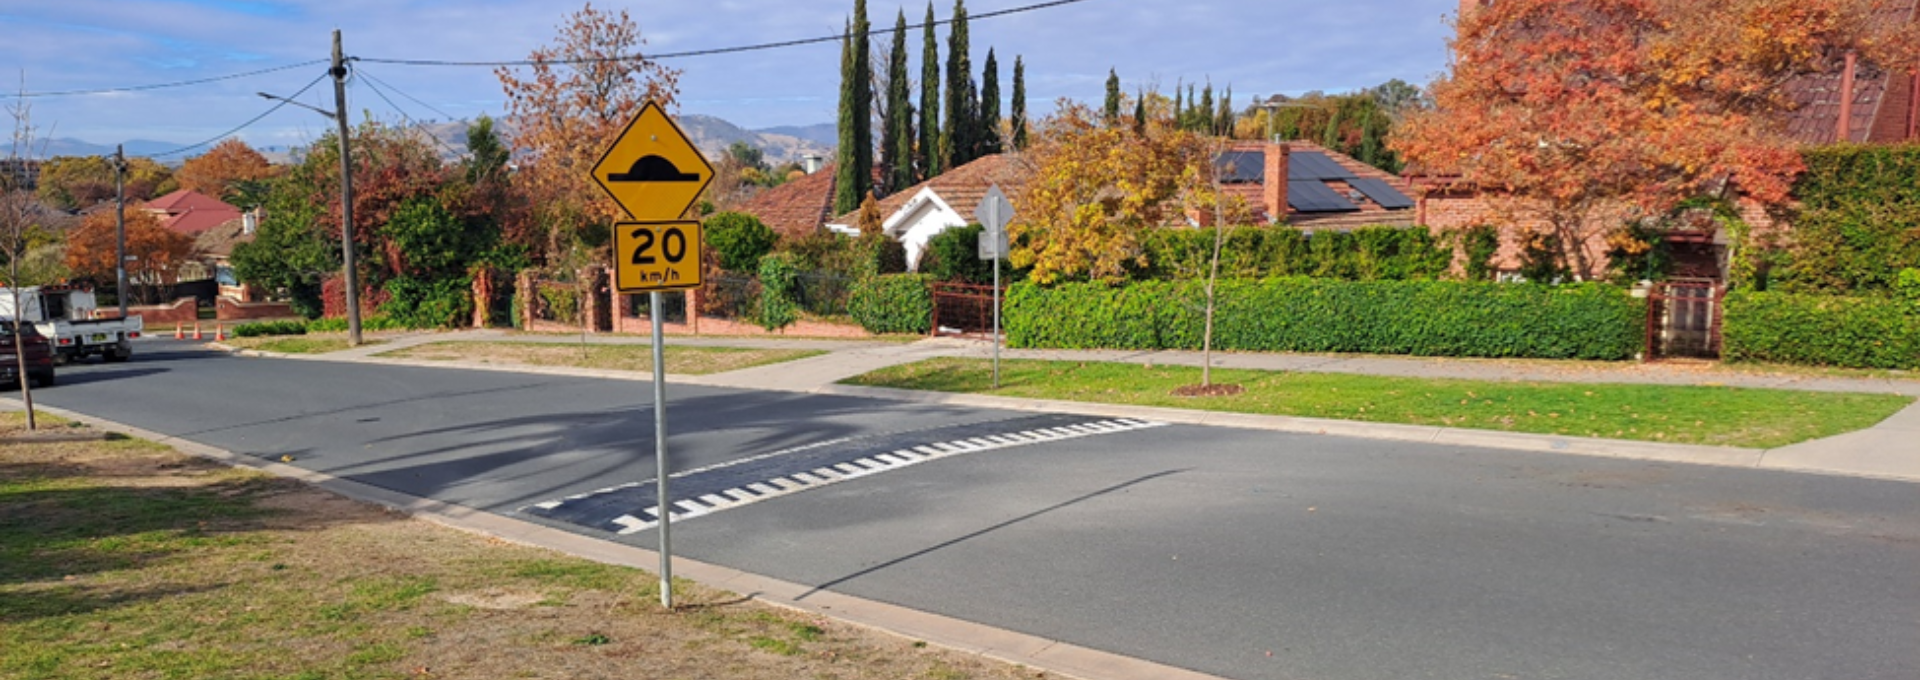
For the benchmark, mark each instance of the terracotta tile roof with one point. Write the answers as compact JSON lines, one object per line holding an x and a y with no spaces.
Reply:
{"x":218,"y":242}
{"x":191,"y":212}
{"x":1816,"y":117}
{"x":796,"y":208}
{"x":962,"y":187}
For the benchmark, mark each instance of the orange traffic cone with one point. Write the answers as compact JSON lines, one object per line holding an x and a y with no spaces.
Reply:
{"x":219,"y":332}
{"x":178,"y":334}
{"x":196,"y":330}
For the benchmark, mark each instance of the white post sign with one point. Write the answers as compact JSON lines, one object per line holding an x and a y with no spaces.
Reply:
{"x":995,"y":212}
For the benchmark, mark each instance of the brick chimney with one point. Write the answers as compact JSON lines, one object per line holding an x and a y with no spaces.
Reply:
{"x":1845,"y":131}
{"x":1274,"y":185}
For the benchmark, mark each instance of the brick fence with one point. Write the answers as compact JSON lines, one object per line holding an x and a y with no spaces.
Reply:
{"x":183,"y":311}
{"x":612,"y":317}
{"x":229,"y":310}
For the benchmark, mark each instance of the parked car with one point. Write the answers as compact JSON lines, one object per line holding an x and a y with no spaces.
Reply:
{"x":30,"y":343}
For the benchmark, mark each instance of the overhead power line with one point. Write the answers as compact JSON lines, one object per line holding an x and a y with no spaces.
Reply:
{"x":699,"y":53}
{"x":415,"y":124}
{"x":159,"y":86}
{"x":276,"y":107}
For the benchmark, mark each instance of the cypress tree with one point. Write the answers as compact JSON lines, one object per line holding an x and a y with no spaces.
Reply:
{"x":1203,"y":114}
{"x":957,"y":138}
{"x":930,"y":156}
{"x":1178,"y":107}
{"x":1225,"y":125}
{"x":1112,"y":109}
{"x":1186,"y":117}
{"x":1330,"y":137}
{"x":1019,"y":104}
{"x":1140,"y":114}
{"x":855,"y":174}
{"x":898,"y":133}
{"x":989,"y":128}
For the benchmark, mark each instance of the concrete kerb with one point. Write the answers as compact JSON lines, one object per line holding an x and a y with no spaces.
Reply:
{"x":1006,"y":646}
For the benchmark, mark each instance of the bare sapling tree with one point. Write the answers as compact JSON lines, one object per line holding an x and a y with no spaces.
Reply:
{"x":16,"y":220}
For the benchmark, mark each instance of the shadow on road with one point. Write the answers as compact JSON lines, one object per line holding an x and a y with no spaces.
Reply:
{"x":988,"y":530}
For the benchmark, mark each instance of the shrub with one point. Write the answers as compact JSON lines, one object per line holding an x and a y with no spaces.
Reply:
{"x":895,"y":303}
{"x":416,"y":303}
{"x":954,"y":255}
{"x":739,"y":240}
{"x":1821,"y":330}
{"x":1428,"y":318}
{"x":262,"y":328}
{"x":779,"y":279}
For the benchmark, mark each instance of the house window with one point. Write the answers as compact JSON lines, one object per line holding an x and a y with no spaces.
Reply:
{"x":224,"y":274}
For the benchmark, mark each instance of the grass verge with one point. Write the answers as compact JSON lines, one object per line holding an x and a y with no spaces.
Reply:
{"x":682,"y":360}
{"x":128,"y":560}
{"x":296,"y":344}
{"x":1721,"y":416}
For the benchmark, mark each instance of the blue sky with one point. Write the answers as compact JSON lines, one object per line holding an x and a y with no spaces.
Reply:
{"x":1258,"y":46}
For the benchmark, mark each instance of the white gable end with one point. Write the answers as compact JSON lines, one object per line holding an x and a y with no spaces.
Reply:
{"x":923,"y":217}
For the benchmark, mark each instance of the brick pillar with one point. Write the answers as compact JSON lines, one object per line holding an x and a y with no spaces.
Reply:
{"x":523,"y":287}
{"x":1274,"y":185}
{"x":1845,"y":131}
{"x":482,"y":297}
{"x":693,"y":310}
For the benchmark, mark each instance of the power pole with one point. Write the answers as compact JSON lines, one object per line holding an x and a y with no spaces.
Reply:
{"x":346,"y":193}
{"x":120,"y":225}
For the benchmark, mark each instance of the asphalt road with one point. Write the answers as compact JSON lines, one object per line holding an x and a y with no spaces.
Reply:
{"x":1244,"y":554}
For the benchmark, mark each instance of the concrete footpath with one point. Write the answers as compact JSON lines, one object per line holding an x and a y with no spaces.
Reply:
{"x":1890,"y":449}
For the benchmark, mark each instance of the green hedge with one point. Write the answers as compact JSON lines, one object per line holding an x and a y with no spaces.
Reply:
{"x":262,"y":328}
{"x":1428,"y":318}
{"x":895,"y":303}
{"x":1853,"y":332}
{"x":1364,"y":254}
{"x":1859,"y":220}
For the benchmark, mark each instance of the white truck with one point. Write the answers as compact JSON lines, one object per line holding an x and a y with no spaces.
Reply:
{"x":62,"y":313}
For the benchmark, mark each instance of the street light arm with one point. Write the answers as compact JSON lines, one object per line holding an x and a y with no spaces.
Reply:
{"x":329,"y":114}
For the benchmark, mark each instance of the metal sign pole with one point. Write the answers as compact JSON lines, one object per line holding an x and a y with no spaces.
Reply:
{"x":993,"y":216}
{"x":660,"y":451}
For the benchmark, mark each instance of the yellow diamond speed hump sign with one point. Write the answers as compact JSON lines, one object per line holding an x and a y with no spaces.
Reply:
{"x":653,"y":170}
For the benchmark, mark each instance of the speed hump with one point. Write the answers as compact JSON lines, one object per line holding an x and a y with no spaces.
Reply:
{"x":655,"y":256}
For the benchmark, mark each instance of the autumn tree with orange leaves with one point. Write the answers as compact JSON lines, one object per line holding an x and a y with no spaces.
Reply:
{"x":220,"y":170}
{"x":1097,"y":189}
{"x":1575,"y":112}
{"x":154,"y":252}
{"x":566,"y":109}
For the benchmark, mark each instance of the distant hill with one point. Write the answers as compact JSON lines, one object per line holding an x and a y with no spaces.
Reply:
{"x":713,"y":135}
{"x":824,"y":134}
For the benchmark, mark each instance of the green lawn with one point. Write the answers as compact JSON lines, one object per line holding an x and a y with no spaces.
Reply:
{"x":297,"y":344}
{"x":1723,"y":416}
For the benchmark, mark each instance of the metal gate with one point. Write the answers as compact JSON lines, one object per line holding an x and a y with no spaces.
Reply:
{"x":1683,"y":320}
{"x":963,"y":309}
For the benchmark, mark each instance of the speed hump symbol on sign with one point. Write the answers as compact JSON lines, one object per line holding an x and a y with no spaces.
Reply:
{"x":656,"y":256}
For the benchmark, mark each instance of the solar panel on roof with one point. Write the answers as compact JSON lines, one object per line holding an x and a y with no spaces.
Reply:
{"x":1306,"y":165}
{"x":1381,"y":193}
{"x":1310,"y":196}
{"x":1242,"y":167}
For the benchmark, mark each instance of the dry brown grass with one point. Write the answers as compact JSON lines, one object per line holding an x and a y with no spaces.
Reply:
{"x":128,"y":560}
{"x":681,"y":360}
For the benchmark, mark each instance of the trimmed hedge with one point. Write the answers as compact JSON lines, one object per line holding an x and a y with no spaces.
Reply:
{"x":1852,"y":332}
{"x":264,"y":328}
{"x":1364,"y":254}
{"x":1427,"y":318}
{"x":895,"y":303}
{"x":1859,"y":221}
